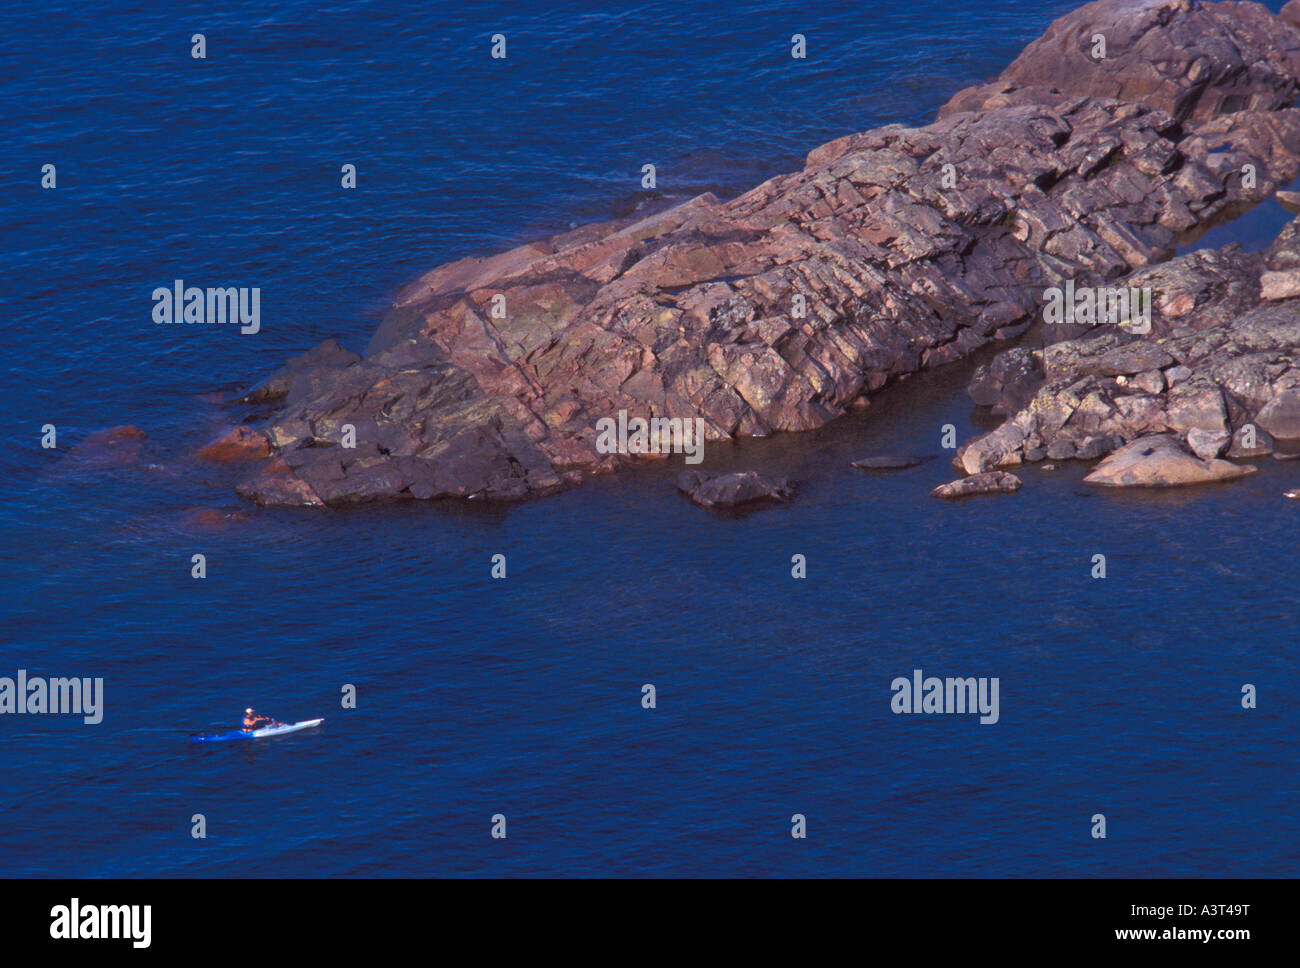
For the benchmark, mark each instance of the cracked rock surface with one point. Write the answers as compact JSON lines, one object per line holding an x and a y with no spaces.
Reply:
{"x":1218,"y":374}
{"x":891,"y":250}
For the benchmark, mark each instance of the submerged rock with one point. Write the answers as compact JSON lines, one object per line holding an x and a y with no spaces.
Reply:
{"x":990,"y":482}
{"x":104,"y":450}
{"x":730,"y":490}
{"x":213,"y":518}
{"x":1161,"y":461}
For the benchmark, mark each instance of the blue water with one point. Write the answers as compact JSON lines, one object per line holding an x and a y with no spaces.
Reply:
{"x":522,"y":696}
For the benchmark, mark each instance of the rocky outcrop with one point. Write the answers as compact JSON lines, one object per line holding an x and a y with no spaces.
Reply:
{"x":891,"y":250}
{"x":731,"y":490}
{"x":989,"y":482}
{"x":1219,"y":371}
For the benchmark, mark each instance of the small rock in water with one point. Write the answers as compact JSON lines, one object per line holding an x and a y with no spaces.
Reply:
{"x":989,"y":482}
{"x":885,"y":463}
{"x":1293,"y":493}
{"x":729,"y":490}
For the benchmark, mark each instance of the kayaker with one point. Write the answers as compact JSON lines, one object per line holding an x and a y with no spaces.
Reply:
{"x":254,"y":721}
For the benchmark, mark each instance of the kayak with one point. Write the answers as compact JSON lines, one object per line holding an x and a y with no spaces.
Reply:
{"x":279,"y":729}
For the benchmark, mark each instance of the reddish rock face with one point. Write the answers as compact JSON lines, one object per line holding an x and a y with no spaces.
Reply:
{"x":891,"y":250}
